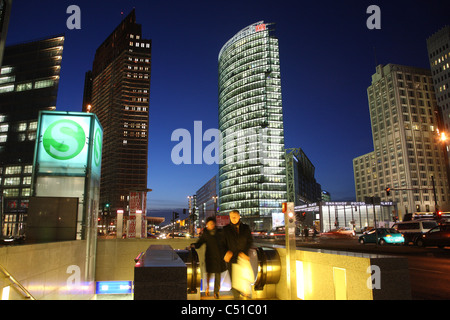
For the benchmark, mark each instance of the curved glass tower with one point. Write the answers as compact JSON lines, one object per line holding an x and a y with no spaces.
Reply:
{"x":252,"y":175}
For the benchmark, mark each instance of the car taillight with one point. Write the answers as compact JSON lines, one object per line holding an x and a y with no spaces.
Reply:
{"x":388,"y":235}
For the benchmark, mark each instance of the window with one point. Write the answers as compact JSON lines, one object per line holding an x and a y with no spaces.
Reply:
{"x":7,"y":79}
{"x":11,"y":192}
{"x":13,"y":170}
{"x":21,"y":126}
{"x":43,"y":84}
{"x":24,"y":86}
{"x":4,"y":127}
{"x":7,"y":88}
{"x":33,"y":125}
{"x":27,"y":169}
{"x":6,"y":70}
{"x":12,"y":181}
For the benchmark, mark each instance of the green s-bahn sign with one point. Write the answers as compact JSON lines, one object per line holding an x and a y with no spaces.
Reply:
{"x":68,"y":143}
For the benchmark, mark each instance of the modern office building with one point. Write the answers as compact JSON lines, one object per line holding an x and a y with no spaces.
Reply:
{"x":302,"y":187}
{"x":118,"y":92}
{"x":408,"y":156}
{"x":208,"y":200}
{"x":29,"y":80}
{"x":252,"y":173}
{"x":439,"y":55}
{"x":5,"y":12}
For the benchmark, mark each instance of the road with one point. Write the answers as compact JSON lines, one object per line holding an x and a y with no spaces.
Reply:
{"x":429,"y":268}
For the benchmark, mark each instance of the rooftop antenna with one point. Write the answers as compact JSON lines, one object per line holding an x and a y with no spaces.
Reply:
{"x":375,"y":55}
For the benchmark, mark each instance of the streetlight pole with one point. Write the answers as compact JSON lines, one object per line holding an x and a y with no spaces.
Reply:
{"x":215,"y":206}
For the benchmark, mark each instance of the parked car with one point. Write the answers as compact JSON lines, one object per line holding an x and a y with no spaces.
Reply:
{"x":382,"y":236}
{"x":414,"y":229}
{"x":438,"y":236}
{"x":339,"y":233}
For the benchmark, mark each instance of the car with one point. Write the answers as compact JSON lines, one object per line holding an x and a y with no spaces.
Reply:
{"x":259,"y":233}
{"x":339,"y":233}
{"x":10,"y":240}
{"x":276,"y":233}
{"x":414,"y":229}
{"x":382,"y":236}
{"x":438,"y":236}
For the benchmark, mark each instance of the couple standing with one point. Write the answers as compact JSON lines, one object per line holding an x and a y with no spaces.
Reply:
{"x":224,"y":248}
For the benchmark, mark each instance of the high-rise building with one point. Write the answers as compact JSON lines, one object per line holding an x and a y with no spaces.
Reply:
{"x":302,"y":186}
{"x":118,"y":92}
{"x":5,"y":12}
{"x":252,"y":173}
{"x":208,"y":200}
{"x":29,"y":80}
{"x":408,"y":154}
{"x":439,"y":55}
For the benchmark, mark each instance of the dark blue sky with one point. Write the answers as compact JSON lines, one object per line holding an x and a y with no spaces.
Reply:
{"x":327,"y":60}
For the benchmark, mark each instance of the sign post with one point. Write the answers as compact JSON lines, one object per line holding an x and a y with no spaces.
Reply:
{"x":291,"y":248}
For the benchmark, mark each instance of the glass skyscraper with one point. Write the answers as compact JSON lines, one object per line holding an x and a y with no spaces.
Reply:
{"x":29,"y":80}
{"x":252,"y":174}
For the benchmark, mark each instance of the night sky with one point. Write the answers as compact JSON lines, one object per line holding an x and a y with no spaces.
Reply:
{"x":327,"y":60}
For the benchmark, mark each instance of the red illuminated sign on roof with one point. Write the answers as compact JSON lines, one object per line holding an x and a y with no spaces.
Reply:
{"x":260,"y":27}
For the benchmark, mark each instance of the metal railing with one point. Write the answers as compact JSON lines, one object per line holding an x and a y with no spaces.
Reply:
{"x":16,"y":284}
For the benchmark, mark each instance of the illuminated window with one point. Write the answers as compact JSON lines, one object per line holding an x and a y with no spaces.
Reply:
{"x":6,"y":70}
{"x":26,"y":192}
{"x":10,"y":192}
{"x":13,"y":170}
{"x":4,"y":127}
{"x":3,"y":138}
{"x":7,"y":79}
{"x":32,"y":125}
{"x":24,"y":86}
{"x":27,"y":169}
{"x":22,"y":126}
{"x":43,"y":84}
{"x":14,"y":181}
{"x":7,"y":88}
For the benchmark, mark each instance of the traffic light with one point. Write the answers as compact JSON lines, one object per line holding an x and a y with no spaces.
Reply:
{"x":439,"y":214}
{"x":284,"y":207}
{"x":175,"y":215}
{"x":388,"y":192}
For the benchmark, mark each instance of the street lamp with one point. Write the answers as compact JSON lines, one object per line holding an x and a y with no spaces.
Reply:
{"x":215,"y":206}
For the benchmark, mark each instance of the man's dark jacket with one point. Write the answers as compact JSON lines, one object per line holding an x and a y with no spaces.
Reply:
{"x":237,"y":238}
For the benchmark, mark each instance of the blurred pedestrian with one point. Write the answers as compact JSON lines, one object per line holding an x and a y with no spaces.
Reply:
{"x":237,"y":242}
{"x":213,"y":255}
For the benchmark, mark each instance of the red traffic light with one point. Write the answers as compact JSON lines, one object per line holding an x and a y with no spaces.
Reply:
{"x":439,"y":213}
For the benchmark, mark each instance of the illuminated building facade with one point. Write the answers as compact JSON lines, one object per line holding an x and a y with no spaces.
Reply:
{"x":408,"y":154}
{"x":29,"y":80}
{"x":439,"y":55}
{"x":118,"y":92}
{"x":252,"y":174}
{"x":5,"y":12}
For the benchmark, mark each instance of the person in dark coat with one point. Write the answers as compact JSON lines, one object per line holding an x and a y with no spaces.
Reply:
{"x":213,"y":254}
{"x":237,"y":242}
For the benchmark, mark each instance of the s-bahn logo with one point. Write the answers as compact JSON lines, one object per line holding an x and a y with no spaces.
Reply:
{"x":97,"y":147}
{"x":64,"y":139}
